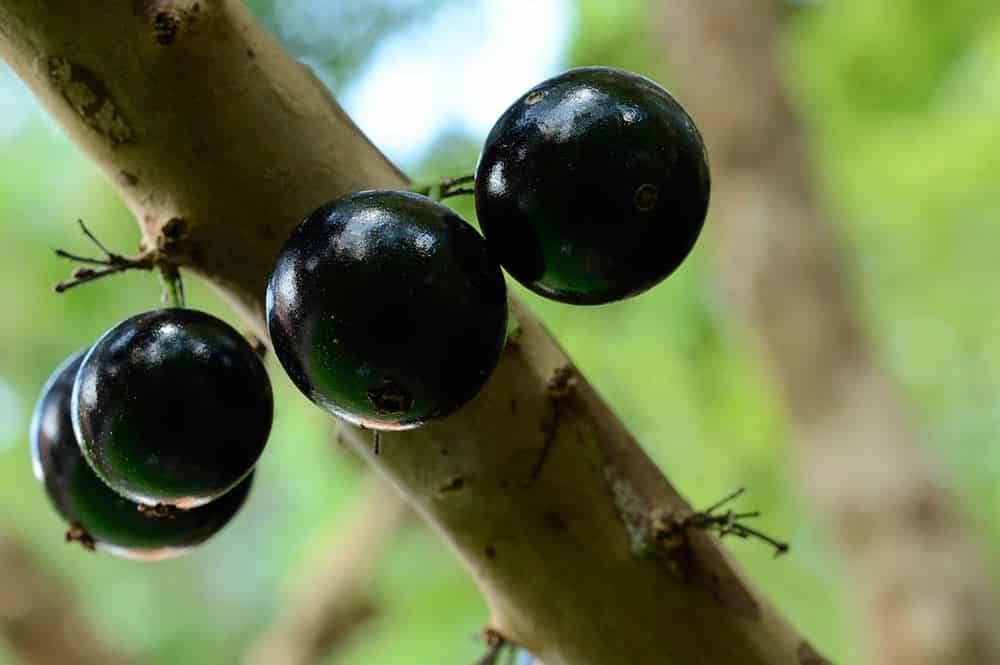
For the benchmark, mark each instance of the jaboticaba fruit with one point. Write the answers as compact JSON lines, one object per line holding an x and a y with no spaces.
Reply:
{"x":95,"y":514}
{"x":386,"y":309}
{"x":172,"y":407}
{"x":593,"y":186}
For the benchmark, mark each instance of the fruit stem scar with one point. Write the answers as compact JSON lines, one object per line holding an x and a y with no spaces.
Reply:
{"x":646,"y":197}
{"x":390,"y":398}
{"x":159,"y":511}
{"x":535,"y":97}
{"x":77,"y":534}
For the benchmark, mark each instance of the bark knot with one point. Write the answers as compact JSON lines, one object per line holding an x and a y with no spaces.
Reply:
{"x":167,"y":19}
{"x":455,"y":484}
{"x":171,"y":241}
{"x":166,"y":25}
{"x":562,"y":384}
{"x":170,"y":245}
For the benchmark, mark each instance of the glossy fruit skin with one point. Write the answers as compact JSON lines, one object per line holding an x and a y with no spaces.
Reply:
{"x":386,"y":309}
{"x":113,"y":523}
{"x":172,"y":407}
{"x":593,"y":186}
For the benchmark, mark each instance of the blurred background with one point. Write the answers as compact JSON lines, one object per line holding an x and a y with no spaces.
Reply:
{"x":900,"y":101}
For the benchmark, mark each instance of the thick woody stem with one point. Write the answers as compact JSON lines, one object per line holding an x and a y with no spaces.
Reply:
{"x":209,"y":128}
{"x":919,"y":575}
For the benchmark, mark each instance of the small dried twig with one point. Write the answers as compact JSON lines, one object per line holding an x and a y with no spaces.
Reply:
{"x":111,"y":264}
{"x":446,"y":187}
{"x":114,"y":263}
{"x":729,"y":523}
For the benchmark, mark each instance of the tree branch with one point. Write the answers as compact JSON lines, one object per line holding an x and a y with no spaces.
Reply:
{"x":39,"y":620}
{"x":918,"y":573}
{"x":197,"y":115}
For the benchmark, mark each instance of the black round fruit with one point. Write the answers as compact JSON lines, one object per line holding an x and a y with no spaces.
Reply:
{"x":95,"y":513}
{"x":172,"y":407}
{"x":593,"y":186}
{"x":386,"y":309}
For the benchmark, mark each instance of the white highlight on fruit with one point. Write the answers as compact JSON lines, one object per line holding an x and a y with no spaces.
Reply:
{"x":497,"y":182}
{"x":560,"y":123}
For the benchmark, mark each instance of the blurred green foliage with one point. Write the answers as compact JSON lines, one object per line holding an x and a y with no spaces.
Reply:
{"x":901,"y":103}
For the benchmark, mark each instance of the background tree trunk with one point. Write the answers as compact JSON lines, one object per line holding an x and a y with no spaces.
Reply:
{"x":917,"y":573}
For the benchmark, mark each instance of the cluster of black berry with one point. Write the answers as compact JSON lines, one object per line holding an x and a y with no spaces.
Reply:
{"x":384,"y":307}
{"x":389,"y":310}
{"x":147,"y":441}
